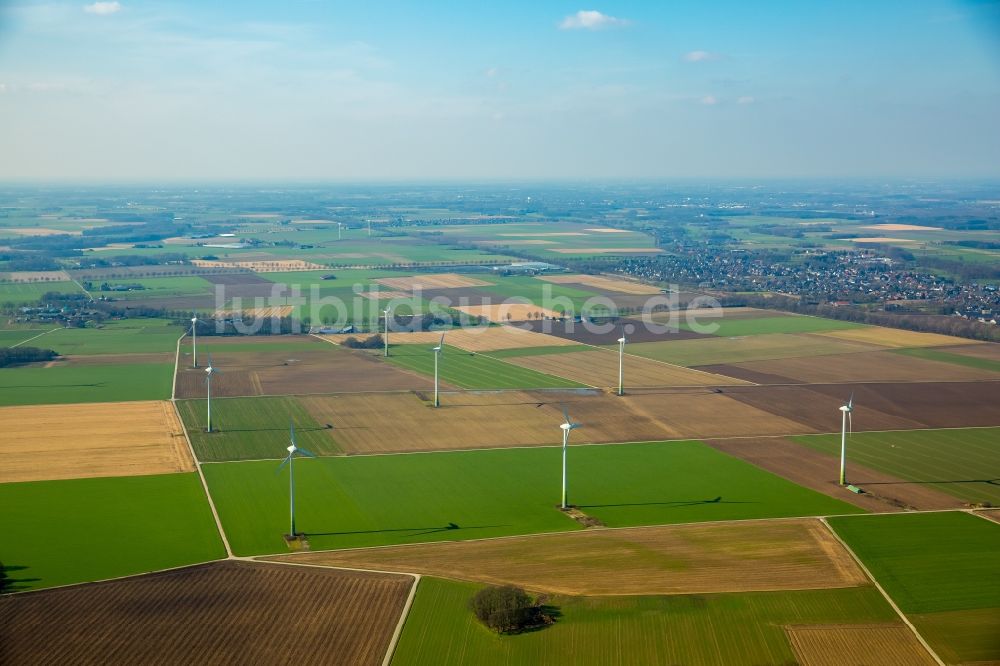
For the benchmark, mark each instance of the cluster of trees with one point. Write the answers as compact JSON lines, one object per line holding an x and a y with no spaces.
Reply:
{"x":18,"y":355}
{"x":510,"y":610}
{"x":374,"y":342}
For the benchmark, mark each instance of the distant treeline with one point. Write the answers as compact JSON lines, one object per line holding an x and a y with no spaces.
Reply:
{"x":957,"y":326}
{"x":19,"y":355}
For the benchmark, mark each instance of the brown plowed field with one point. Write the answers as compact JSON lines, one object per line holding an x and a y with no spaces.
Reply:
{"x":875,"y":366}
{"x":819,"y":471}
{"x":868,"y":644}
{"x":42,"y":442}
{"x":379,"y":423}
{"x":991,"y":514}
{"x":221,"y":613}
{"x":681,"y":559}
{"x":880,"y":406}
{"x":434,"y":281}
{"x":603,"y":283}
{"x":592,"y":334}
{"x":599,"y":367}
{"x":327,"y":369}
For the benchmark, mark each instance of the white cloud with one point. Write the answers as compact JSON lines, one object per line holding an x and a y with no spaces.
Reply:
{"x":491,"y":72}
{"x":746,"y":99}
{"x":3,"y":88}
{"x":102,"y":8}
{"x":589,"y":19}
{"x":709,"y":100}
{"x":701,"y":56}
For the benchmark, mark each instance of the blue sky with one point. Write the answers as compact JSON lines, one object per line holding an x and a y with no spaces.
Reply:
{"x":167,"y":91}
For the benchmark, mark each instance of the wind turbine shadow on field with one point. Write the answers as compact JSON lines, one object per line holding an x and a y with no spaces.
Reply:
{"x":675,"y":503}
{"x":418,"y":531}
{"x":8,"y":584}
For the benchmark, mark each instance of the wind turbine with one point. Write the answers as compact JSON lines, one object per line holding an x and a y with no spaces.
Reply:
{"x":621,"y":363}
{"x":566,"y":426}
{"x":209,"y":371}
{"x":386,"y":313}
{"x":289,"y":460}
{"x":194,"y":338}
{"x":845,"y":419}
{"x":340,"y":230}
{"x":437,"y":355}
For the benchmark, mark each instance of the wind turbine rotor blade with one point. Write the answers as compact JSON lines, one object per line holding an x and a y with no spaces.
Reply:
{"x":305,"y":452}
{"x":291,"y":432}
{"x":850,"y":401}
{"x":441,"y":343}
{"x":283,"y":463}
{"x":850,"y":423}
{"x":566,"y":415}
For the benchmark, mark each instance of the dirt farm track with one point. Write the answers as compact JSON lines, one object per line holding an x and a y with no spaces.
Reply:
{"x":221,"y":613}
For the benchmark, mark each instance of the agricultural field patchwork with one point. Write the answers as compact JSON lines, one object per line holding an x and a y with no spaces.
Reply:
{"x":599,"y":368}
{"x":963,"y":462}
{"x":871,"y":366}
{"x":894,"y":337}
{"x":699,"y":630}
{"x":382,"y":500}
{"x":680,"y":559}
{"x":469,"y":370}
{"x":22,"y":293}
{"x":940,"y":568}
{"x":130,"y":336}
{"x":468,"y":420}
{"x":252,"y":428}
{"x":100,"y":439}
{"x":214,"y":613}
{"x":77,"y":530}
{"x":767,"y":346}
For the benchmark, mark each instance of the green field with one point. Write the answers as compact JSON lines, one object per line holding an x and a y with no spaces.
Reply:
{"x":36,"y":385}
{"x":947,"y":357}
{"x":20,"y":293}
{"x":9,"y":338}
{"x":783,"y":324}
{"x":694,"y":630}
{"x":188,"y":285}
{"x":128,"y":336}
{"x":709,"y":351}
{"x":941,"y":569}
{"x":251,"y":428}
{"x":211,"y":345}
{"x":62,"y":532}
{"x":964,"y":462}
{"x":377,"y":500}
{"x":469,"y":370}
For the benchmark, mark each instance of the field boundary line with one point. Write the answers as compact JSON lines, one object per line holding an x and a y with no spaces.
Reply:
{"x":885,"y":594}
{"x":36,"y":336}
{"x":398,"y":631}
{"x":197,"y":463}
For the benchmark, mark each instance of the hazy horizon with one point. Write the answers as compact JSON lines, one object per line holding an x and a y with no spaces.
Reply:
{"x":255,"y":93}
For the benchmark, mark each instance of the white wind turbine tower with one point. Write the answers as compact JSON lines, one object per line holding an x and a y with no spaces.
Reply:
{"x":194,"y":338}
{"x":289,"y":460}
{"x":621,"y":363}
{"x":386,"y":313}
{"x":846,"y":418}
{"x":340,"y":230}
{"x":437,"y":356}
{"x":209,"y":371}
{"x":566,"y":426}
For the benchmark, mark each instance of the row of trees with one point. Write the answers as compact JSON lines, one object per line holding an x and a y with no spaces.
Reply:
{"x":18,"y":355}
